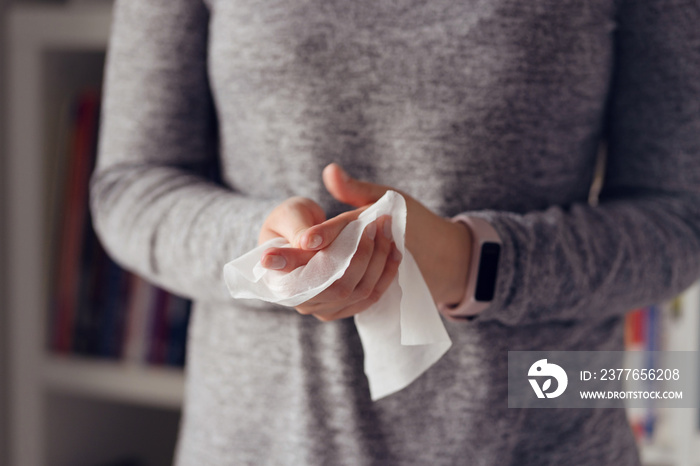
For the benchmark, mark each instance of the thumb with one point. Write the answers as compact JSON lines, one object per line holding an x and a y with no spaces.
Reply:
{"x":350,"y":190}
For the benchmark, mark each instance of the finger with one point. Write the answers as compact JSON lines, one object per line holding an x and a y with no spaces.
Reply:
{"x":285,"y":259}
{"x":390,"y":270}
{"x":291,"y":219}
{"x":318,"y":237}
{"x":388,"y":274}
{"x":343,"y":289}
{"x":349,"y":190}
{"x":382,"y":248}
{"x":349,"y":311}
{"x":336,"y":296}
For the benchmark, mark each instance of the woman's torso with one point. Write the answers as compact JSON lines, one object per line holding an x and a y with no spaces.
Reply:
{"x":464,"y":105}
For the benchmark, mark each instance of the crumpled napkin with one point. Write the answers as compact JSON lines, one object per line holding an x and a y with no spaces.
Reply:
{"x":402,"y":334}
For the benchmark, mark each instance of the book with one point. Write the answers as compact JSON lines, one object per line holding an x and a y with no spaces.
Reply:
{"x":141,"y":301}
{"x":178,"y":321}
{"x":644,"y":332}
{"x":159,"y":328}
{"x":74,"y":219}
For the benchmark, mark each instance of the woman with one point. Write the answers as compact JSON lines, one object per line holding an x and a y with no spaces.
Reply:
{"x":490,"y":109}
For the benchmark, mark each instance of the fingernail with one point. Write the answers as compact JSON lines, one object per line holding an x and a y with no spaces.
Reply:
{"x":371,"y":230}
{"x":274,"y":262}
{"x":396,"y":255}
{"x":313,"y":241}
{"x":387,"y":228}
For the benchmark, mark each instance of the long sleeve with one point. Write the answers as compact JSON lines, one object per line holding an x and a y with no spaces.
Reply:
{"x":641,"y":244}
{"x":153,"y":208}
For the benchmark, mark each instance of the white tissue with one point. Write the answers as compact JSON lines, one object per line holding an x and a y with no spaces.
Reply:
{"x":402,"y":334}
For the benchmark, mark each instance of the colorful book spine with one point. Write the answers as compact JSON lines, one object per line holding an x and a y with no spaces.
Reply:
{"x":644,"y":332}
{"x":74,"y":219}
{"x":141,"y":301}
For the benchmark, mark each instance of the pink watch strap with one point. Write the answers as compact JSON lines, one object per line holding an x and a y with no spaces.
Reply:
{"x":481,"y":232}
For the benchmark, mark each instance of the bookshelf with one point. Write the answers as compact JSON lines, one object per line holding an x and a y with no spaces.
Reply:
{"x":67,"y":410}
{"x":677,"y":442}
{"x":64,"y":410}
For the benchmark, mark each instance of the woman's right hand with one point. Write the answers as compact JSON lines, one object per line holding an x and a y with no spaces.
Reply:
{"x":290,"y":220}
{"x":302,"y":223}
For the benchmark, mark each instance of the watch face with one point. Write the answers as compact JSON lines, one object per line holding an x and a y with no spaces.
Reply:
{"x":488,"y":270}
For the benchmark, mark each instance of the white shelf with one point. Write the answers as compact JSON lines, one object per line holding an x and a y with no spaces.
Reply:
{"x":115,"y":380}
{"x":80,"y":26}
{"x":654,"y":455}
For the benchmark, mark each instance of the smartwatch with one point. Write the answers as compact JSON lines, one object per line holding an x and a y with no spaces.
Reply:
{"x":483,"y":270}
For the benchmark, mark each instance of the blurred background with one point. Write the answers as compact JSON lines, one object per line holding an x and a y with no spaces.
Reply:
{"x":91,"y":356}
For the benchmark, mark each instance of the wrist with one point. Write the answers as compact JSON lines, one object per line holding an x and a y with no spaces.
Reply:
{"x":441,"y":249}
{"x":483,"y":270}
{"x":457,"y":257}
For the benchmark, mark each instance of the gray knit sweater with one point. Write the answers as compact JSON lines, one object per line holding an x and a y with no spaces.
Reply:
{"x":216,"y":111}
